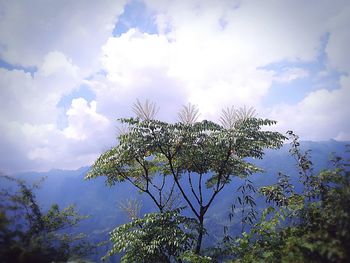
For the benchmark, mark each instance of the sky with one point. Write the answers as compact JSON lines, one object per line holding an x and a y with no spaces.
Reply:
{"x":69,"y":69}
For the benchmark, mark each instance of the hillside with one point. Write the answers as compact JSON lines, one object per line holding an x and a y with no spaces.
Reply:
{"x":101,"y":202}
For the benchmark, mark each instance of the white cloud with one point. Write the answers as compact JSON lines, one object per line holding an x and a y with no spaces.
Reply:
{"x":63,"y":40}
{"x":339,"y":39}
{"x":55,"y":62}
{"x":44,"y":146}
{"x":31,"y":29}
{"x":132,"y":52}
{"x":29,"y":115}
{"x":216,"y":51}
{"x":321,"y":115}
{"x":263,"y":31}
{"x":34,"y":99}
{"x":84,"y":121}
{"x":201,"y":64}
{"x":291,"y":74}
{"x":210,"y":53}
{"x":343,"y":136}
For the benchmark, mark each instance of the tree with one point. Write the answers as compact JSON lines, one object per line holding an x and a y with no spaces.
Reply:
{"x":308,"y":226}
{"x":27,"y":234}
{"x":195,"y":159}
{"x":157,"y":237}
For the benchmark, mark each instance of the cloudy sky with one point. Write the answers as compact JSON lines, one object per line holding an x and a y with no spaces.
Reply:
{"x":69,"y":69}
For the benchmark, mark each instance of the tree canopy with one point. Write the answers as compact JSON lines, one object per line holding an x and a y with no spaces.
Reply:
{"x":162,"y":159}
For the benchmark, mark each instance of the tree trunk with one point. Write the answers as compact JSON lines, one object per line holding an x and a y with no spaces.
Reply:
{"x":200,"y":232}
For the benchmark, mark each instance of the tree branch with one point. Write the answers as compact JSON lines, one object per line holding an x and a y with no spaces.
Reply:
{"x":191,"y":186}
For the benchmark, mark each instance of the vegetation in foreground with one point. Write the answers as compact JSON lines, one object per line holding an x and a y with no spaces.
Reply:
{"x":183,"y":168}
{"x":28,"y":234}
{"x":311,"y":225}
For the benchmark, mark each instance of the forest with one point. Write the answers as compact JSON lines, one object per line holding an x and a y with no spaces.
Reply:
{"x":193,"y":196}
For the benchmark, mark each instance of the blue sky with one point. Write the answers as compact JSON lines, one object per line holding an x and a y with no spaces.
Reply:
{"x":136,"y":15}
{"x":69,"y":71}
{"x":8,"y":66}
{"x":293,"y":91}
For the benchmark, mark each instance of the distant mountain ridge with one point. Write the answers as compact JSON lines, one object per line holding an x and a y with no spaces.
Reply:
{"x":94,"y":198}
{"x":68,"y":186}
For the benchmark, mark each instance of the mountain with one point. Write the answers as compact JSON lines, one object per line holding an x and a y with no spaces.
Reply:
{"x":94,"y":198}
{"x":91,"y":197}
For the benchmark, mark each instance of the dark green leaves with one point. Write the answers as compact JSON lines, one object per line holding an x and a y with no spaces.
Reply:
{"x":202,"y":147}
{"x":29,"y":234}
{"x":157,"y":237}
{"x":312,"y":225}
{"x":154,"y":156}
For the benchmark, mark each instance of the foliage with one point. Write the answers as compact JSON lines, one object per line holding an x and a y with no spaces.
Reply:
{"x":157,"y":237}
{"x":311,"y":226}
{"x":246,"y":203}
{"x":160,"y":158}
{"x":190,"y":256}
{"x":27,"y":234}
